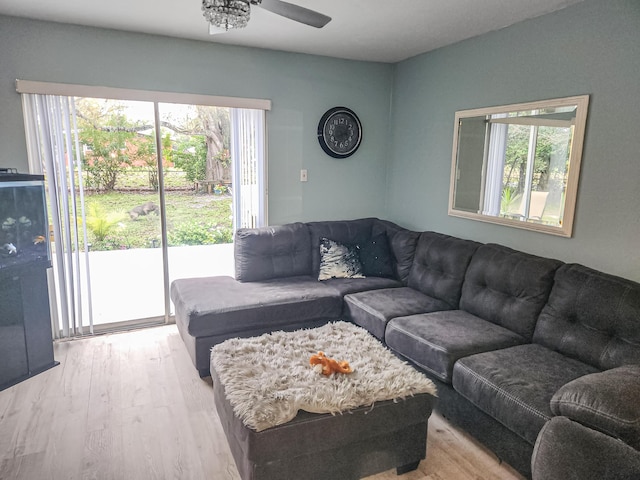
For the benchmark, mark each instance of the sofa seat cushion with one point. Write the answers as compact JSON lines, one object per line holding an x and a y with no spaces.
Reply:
{"x":515,"y":385}
{"x":220,"y":305}
{"x":435,"y":341}
{"x":344,"y":286}
{"x":373,"y":309}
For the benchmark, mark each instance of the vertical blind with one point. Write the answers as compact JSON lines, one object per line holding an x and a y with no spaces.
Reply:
{"x":53,"y":149}
{"x":249,"y":169}
{"x":495,"y":167}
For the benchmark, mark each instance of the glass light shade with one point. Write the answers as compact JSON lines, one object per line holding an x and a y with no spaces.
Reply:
{"x":227,"y":14}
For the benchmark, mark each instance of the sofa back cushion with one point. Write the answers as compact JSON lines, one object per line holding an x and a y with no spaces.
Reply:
{"x":439,"y":266}
{"x":593,"y":317}
{"x":403,"y":245}
{"x":349,"y":232}
{"x":507,"y":287}
{"x":272,"y":252}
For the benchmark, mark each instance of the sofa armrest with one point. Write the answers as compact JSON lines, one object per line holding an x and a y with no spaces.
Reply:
{"x":606,"y":401}
{"x":566,"y":450}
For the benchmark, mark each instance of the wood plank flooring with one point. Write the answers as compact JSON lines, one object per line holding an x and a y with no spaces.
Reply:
{"x":132,"y":406}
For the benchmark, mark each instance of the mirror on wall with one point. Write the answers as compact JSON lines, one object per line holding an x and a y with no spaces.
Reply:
{"x":518,"y":165}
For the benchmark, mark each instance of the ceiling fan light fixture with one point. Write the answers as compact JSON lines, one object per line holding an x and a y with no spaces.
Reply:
{"x":227,"y":14}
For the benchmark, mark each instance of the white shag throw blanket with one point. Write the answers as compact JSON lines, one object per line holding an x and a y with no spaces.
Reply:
{"x":267,"y":379}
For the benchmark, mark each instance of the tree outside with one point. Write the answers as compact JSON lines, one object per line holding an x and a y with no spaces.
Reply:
{"x":550,"y":167}
{"x":121,"y":178}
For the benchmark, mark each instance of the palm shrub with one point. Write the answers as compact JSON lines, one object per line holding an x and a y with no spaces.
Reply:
{"x":100,"y":222}
{"x":508,"y":200}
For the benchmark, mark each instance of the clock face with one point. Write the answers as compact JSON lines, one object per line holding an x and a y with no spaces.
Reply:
{"x":339,"y":132}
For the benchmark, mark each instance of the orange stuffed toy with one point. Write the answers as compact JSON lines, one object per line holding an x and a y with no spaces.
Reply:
{"x":325,"y":365}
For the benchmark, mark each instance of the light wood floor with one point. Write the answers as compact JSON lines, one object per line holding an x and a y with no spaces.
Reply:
{"x":131,"y":406}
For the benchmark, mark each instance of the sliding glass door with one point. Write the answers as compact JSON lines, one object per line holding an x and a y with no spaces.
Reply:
{"x":141,"y":193}
{"x":199,"y":205}
{"x":122,"y":217}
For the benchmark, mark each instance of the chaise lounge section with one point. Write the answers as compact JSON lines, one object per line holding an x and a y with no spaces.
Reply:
{"x":517,"y":344}
{"x":276,"y":285}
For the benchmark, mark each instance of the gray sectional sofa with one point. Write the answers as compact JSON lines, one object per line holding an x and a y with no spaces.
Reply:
{"x":525,"y":350}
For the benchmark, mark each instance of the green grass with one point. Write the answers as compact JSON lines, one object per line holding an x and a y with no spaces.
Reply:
{"x":192,"y":219}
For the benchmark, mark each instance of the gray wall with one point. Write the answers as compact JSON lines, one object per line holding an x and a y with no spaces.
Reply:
{"x":591,"y":48}
{"x":301,"y":87}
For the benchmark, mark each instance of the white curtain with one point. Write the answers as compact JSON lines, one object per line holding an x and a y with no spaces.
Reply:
{"x":53,"y":149}
{"x":249,"y":169}
{"x":495,"y":167}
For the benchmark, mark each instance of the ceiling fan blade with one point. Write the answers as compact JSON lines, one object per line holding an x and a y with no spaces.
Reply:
{"x":295,"y":12}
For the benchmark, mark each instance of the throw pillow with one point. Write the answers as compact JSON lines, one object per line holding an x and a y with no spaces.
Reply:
{"x":338,"y":260}
{"x":375,"y":257}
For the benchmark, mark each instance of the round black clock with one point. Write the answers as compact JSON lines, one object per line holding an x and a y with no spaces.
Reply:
{"x":339,"y":132}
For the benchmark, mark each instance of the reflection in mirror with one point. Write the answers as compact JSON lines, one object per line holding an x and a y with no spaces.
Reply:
{"x":518,"y":165}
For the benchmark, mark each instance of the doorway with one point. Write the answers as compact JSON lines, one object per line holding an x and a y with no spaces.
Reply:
{"x":152,"y":194}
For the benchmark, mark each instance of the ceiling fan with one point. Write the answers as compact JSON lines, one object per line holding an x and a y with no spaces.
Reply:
{"x":225,"y":15}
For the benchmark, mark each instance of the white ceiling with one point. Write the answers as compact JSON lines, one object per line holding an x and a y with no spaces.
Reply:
{"x":373,"y":30}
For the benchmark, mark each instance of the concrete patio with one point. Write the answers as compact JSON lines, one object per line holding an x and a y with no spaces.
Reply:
{"x":127,"y":285}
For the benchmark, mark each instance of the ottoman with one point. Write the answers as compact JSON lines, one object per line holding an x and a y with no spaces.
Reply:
{"x":274,"y":422}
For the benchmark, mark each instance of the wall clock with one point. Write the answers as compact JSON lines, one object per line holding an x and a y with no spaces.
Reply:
{"x":339,"y":132}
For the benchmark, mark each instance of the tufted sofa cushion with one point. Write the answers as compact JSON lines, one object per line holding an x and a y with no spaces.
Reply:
{"x":593,"y":317}
{"x":507,"y":287}
{"x":434,"y":283}
{"x":272,"y":252}
{"x":439,"y":266}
